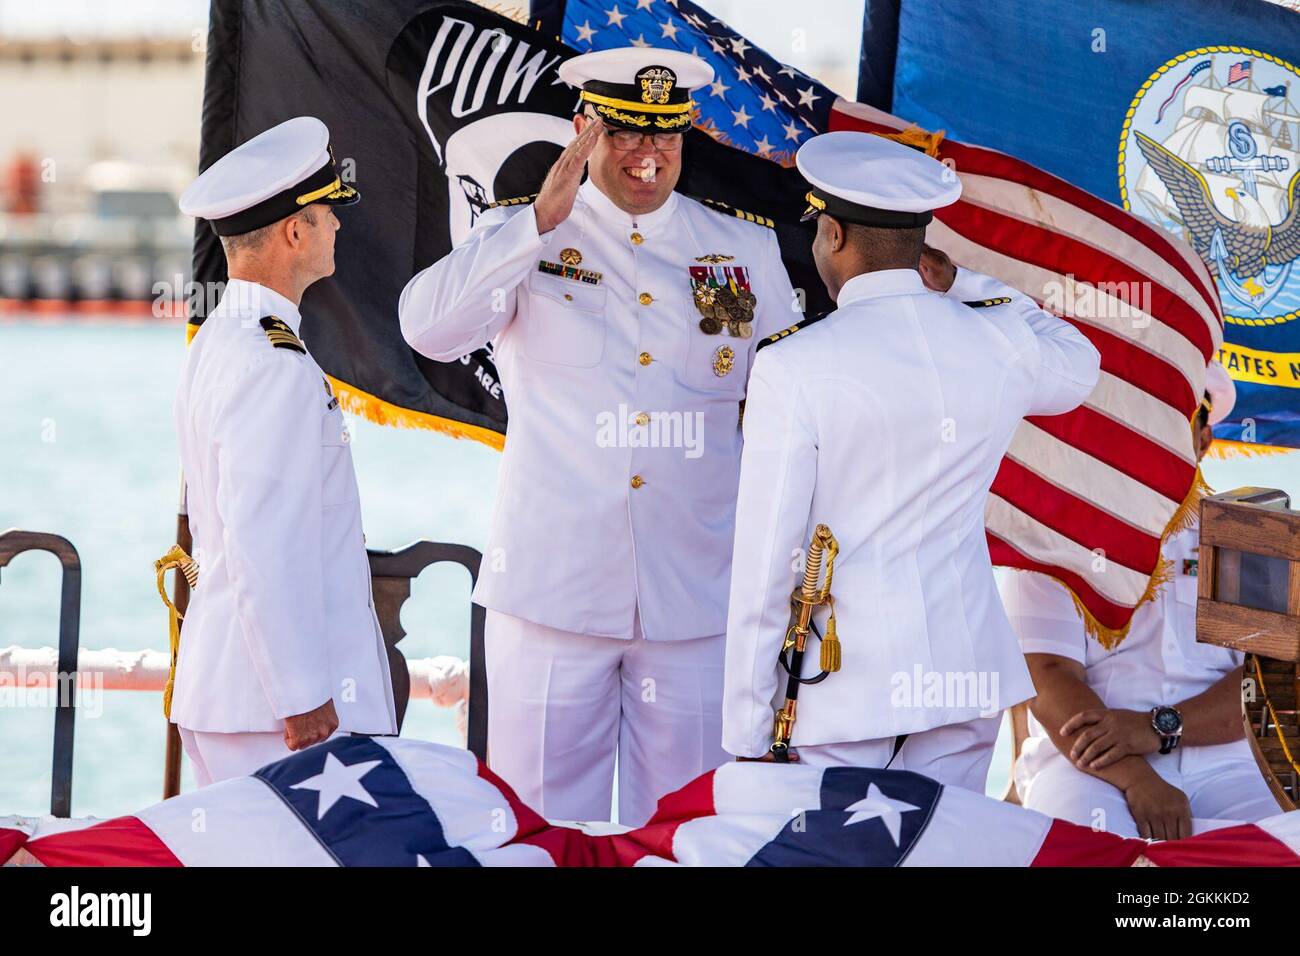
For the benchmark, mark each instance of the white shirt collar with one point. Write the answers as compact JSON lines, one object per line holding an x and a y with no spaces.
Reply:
{"x":873,"y":285}
{"x":246,"y":298}
{"x":605,"y":209}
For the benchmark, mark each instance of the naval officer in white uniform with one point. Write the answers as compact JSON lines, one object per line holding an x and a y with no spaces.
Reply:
{"x":886,"y":421}
{"x":624,"y":317}
{"x":1144,"y":739}
{"x":281,"y":647}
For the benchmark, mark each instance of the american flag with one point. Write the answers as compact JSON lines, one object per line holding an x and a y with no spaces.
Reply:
{"x":1086,"y":497}
{"x":755,"y":102}
{"x":355,"y":801}
{"x":1238,"y":72}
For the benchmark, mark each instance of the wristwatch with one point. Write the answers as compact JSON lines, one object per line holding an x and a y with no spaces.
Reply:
{"x":1168,"y":725}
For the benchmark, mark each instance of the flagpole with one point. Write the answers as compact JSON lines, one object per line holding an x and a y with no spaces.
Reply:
{"x":180,"y":598}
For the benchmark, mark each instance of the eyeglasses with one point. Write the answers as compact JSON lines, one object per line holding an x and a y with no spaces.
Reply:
{"x":626,"y":140}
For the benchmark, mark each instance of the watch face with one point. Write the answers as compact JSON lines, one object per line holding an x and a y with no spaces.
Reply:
{"x":1167,"y":720}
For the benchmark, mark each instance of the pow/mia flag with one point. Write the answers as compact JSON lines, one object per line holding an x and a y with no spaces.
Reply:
{"x":441,"y":109}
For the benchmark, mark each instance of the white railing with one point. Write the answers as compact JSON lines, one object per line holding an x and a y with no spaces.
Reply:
{"x":443,"y":679}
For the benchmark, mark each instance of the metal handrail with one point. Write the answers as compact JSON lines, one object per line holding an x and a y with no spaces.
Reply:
{"x":13,"y":543}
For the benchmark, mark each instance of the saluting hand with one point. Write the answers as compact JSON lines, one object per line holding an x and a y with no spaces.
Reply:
{"x":303,"y":730}
{"x":937,"y":270}
{"x":555,"y":200}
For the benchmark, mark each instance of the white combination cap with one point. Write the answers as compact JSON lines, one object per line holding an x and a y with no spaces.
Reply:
{"x":639,"y":88}
{"x":271,"y":176}
{"x":873,"y":181}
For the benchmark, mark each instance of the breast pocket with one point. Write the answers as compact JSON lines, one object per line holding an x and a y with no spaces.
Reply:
{"x":339,"y":481}
{"x":716,"y":363}
{"x":565,"y":324}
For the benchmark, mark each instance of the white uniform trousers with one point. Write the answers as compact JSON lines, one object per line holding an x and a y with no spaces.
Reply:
{"x":1223,"y":784}
{"x":561,"y":705}
{"x":222,"y":756}
{"x":956,"y":755}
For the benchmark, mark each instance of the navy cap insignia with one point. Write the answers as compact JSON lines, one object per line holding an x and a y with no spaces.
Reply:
{"x":281,"y":335}
{"x":657,"y":84}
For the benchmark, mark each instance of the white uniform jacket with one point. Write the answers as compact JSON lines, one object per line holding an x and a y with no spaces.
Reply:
{"x":618,"y":483}
{"x":282,"y":618}
{"x":887,"y":421}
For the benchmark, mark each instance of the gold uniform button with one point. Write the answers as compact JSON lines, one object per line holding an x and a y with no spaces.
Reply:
{"x":646,"y":298}
{"x":637,"y":481}
{"x":637,"y":238}
{"x":567,"y":297}
{"x":645,"y":358}
{"x":643,"y":418}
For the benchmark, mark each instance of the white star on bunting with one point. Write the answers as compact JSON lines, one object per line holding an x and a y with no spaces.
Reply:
{"x":741,"y":117}
{"x":786,"y":71}
{"x":585,"y":31}
{"x":670,"y":30}
{"x":739,"y":46}
{"x":338,"y":780}
{"x":763,"y":146}
{"x":644,"y":4}
{"x":768,"y":102}
{"x":791,"y":131}
{"x":717,"y":87}
{"x":876,"y":806}
{"x":616,"y":18}
{"x":640,"y":41}
{"x":762,"y":74}
{"x":806,"y":97}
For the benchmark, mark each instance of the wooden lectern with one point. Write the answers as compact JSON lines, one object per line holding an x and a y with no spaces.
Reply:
{"x":1248,"y":599}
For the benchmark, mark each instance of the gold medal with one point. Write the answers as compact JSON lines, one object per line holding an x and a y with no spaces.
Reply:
{"x":570,"y":257}
{"x":710,"y":326}
{"x":724,"y":360}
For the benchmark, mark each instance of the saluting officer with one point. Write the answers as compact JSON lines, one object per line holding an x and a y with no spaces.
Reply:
{"x":280,"y":647}
{"x":624,"y":317}
{"x":887,"y":421}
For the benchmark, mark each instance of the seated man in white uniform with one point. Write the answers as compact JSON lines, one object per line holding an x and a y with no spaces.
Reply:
{"x":1145,"y":739}
{"x":887,"y":421}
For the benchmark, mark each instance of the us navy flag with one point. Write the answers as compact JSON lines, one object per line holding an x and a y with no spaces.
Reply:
{"x":1187,"y":115}
{"x":439,"y":109}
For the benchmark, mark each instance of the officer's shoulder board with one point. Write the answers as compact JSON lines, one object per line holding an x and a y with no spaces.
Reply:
{"x":719,"y":206}
{"x":281,"y":335}
{"x":786,"y":333}
{"x":516,"y":201}
{"x":986,"y":303}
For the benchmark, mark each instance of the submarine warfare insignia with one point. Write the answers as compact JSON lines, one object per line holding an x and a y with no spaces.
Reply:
{"x":724,"y":360}
{"x":714,"y":258}
{"x":722,"y":296}
{"x":281,"y":334}
{"x":569,"y":272}
{"x":571,"y":257}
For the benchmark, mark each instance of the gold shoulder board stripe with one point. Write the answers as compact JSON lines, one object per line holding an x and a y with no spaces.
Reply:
{"x":721,"y":206}
{"x":280,"y":335}
{"x":778,"y":336}
{"x":516,"y":201}
{"x":985,"y":303}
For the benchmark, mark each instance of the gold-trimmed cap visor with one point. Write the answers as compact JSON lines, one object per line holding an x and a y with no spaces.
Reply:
{"x":323,"y":186}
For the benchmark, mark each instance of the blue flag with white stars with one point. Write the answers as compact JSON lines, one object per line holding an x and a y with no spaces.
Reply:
{"x":755,"y":103}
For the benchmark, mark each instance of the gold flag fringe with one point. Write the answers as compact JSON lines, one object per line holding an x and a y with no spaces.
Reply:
{"x":356,"y":402}
{"x":1225,"y":450}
